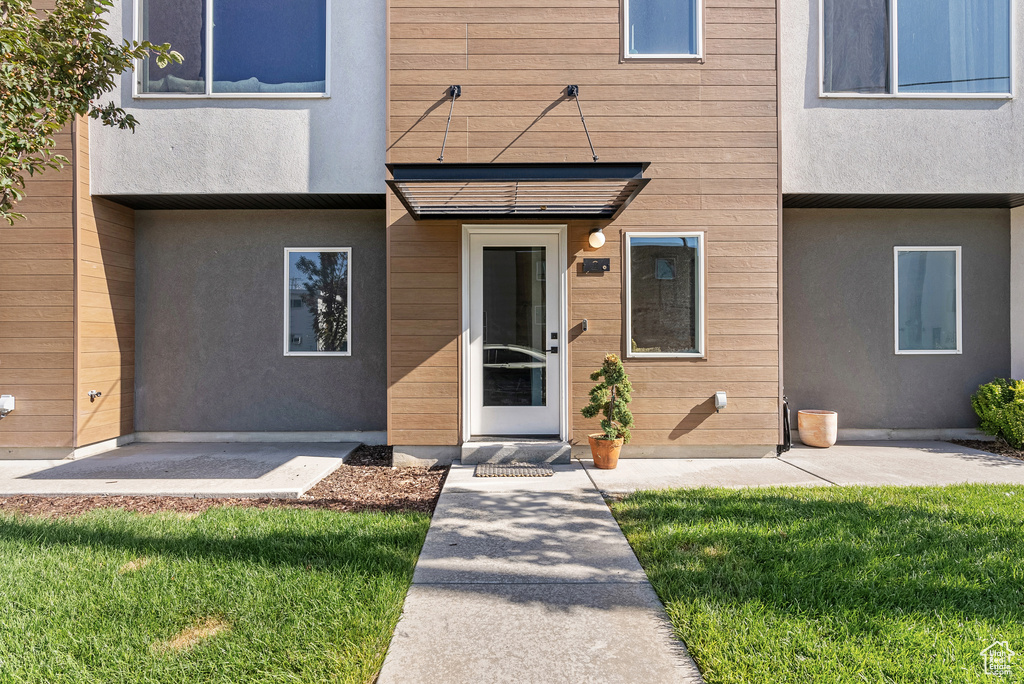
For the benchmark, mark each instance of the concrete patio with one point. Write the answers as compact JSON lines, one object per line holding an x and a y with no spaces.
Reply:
{"x":849,"y":463}
{"x":280,"y":471}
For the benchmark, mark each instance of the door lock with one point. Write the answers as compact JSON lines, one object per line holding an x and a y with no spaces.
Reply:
{"x":553,"y":350}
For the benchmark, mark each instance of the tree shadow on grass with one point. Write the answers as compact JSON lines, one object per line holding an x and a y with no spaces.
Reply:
{"x":365,"y":545}
{"x":950,"y":551}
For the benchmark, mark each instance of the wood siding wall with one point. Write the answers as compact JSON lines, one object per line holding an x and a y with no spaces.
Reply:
{"x":67,"y":308}
{"x":710,"y":131}
{"x":105,"y":278}
{"x":37,"y":298}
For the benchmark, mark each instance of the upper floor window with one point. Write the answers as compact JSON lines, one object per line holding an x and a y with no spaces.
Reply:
{"x":240,"y":48}
{"x":662,"y":28}
{"x":916,"y":48}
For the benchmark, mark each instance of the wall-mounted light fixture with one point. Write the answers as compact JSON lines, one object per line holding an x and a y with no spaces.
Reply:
{"x":720,"y":401}
{"x":596,"y":239}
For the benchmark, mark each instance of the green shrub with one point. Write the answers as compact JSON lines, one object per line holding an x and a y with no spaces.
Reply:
{"x":1000,"y":406}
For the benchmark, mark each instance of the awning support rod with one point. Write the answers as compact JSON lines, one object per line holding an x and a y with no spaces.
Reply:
{"x":454,"y":91}
{"x":573,"y":91}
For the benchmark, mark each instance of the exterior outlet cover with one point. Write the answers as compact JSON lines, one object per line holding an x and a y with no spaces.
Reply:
{"x":6,"y":403}
{"x":720,"y":401}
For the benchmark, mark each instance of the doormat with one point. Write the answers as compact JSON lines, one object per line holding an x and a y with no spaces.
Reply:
{"x":513,"y":470}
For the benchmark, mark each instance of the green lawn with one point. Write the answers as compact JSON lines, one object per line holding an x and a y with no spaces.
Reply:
{"x":230,"y":595}
{"x":837,"y":584}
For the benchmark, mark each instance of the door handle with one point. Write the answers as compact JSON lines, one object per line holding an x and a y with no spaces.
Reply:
{"x":553,"y":350}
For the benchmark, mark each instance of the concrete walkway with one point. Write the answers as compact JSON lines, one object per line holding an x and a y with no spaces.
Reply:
{"x":280,"y":471}
{"x":850,"y":463}
{"x":530,"y":580}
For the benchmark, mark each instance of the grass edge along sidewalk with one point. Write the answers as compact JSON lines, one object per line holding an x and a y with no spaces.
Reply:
{"x":227,"y":595}
{"x":876,"y":584}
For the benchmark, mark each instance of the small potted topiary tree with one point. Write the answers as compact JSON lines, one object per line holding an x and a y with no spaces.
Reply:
{"x":610,"y":399}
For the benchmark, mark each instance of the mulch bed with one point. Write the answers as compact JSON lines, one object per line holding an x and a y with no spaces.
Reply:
{"x":365,"y":482}
{"x":998,"y":447}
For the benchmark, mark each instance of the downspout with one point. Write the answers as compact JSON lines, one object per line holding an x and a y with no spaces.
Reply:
{"x":787,"y":439}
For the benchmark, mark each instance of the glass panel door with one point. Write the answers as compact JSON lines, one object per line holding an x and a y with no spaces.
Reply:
{"x":514,"y":334}
{"x":515,"y":326}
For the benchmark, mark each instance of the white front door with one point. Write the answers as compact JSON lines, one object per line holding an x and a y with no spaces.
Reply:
{"x":515,"y":340}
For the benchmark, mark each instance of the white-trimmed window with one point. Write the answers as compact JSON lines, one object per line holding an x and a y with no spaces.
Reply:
{"x":236,"y":48}
{"x":320,"y":280}
{"x":916,"y":48}
{"x":662,"y":29}
{"x":665,"y":294}
{"x":928,"y":300}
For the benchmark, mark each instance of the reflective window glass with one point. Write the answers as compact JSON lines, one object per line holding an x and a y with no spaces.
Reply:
{"x":515,"y":326}
{"x":267,"y":46}
{"x":926,"y":282}
{"x":954,"y":46}
{"x":664,"y":294}
{"x":662,"y":27}
{"x":855,"y":35}
{"x":318,"y":294}
{"x":258,"y":46}
{"x":941,"y":47}
{"x":182,"y":23}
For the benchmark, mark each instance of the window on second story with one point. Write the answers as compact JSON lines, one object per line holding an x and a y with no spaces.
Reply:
{"x":236,"y":48}
{"x":662,"y":28}
{"x":916,"y":47}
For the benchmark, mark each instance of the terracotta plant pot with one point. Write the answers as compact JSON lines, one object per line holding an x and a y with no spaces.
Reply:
{"x":605,"y":451}
{"x":818,"y":428}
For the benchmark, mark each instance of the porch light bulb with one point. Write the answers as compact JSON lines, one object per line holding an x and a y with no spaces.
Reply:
{"x":597,"y":238}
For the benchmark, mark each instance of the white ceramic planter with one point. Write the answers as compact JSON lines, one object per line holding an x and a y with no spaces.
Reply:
{"x":818,"y":428}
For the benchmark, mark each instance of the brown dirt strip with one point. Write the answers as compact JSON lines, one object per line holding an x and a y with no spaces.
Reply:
{"x":365,"y":482}
{"x":998,"y":447}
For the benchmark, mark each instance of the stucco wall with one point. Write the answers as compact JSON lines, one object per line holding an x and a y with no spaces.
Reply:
{"x":332,"y":145}
{"x":209,"y":324}
{"x":832,"y":145}
{"x":838,"y":315}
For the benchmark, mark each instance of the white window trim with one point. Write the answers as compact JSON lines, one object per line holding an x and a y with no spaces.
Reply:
{"x":209,"y":94}
{"x":700,"y":37}
{"x":701,"y":296}
{"x":894,"y":65}
{"x":287,"y":299}
{"x":896,"y":301}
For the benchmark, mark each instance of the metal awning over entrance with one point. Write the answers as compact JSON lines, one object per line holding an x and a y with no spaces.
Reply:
{"x":598,"y":190}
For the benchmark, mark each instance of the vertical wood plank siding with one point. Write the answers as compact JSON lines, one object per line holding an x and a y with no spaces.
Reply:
{"x":710,"y":131}
{"x":105,"y":282}
{"x":37,"y":312}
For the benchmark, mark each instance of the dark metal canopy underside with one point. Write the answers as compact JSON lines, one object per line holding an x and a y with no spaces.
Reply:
{"x":902,"y":201}
{"x":597,"y":190}
{"x":306,"y":200}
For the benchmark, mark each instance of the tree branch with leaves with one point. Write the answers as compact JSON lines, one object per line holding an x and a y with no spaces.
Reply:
{"x":53,"y":65}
